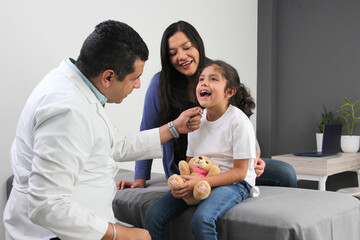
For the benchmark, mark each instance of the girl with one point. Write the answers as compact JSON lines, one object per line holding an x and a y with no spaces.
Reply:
{"x":227,"y":136}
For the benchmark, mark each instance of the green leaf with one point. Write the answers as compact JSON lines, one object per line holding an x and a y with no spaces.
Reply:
{"x":349,"y":112}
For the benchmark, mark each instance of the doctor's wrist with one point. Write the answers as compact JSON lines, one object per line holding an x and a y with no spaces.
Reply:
{"x":110,"y":233}
{"x":173,"y":130}
{"x":114,"y":231}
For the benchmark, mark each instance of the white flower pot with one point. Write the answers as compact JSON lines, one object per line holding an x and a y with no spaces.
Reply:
{"x":350,"y":143}
{"x":319,"y":139}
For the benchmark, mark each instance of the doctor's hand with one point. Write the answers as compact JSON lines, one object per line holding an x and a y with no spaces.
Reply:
{"x":138,"y":183}
{"x":132,"y":234}
{"x":123,"y":233}
{"x":189,"y":120}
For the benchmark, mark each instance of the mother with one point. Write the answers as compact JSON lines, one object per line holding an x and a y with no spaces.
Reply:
{"x":171,"y":92}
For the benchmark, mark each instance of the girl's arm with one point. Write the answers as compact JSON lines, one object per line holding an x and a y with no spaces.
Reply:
{"x":236,"y":174}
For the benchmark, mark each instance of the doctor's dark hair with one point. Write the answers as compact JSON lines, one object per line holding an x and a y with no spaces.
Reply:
{"x":112,"y":45}
{"x":242,"y":98}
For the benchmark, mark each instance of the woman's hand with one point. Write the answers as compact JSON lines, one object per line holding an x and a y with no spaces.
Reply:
{"x":185,"y":190}
{"x":138,"y":183}
{"x":259,"y":166}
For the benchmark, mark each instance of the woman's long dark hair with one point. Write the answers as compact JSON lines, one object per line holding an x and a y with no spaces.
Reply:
{"x":173,"y":85}
{"x":242,"y":98}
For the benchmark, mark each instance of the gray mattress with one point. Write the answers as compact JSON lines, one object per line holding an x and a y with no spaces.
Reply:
{"x":278,"y":213}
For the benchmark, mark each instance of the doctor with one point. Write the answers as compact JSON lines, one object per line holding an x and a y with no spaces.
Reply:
{"x":64,"y":149}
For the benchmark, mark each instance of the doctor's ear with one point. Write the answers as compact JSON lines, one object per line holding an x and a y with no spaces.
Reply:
{"x":107,"y":77}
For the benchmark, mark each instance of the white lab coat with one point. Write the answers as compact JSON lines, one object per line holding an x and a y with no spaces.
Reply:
{"x":63,"y":162}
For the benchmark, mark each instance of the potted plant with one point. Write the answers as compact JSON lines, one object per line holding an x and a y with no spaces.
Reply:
{"x":327,"y":117}
{"x":350,"y":143}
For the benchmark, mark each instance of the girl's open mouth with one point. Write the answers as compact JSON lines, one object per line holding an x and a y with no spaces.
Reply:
{"x":205,"y":93}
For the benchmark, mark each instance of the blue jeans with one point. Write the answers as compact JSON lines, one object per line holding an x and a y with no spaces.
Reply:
{"x":277,"y":173}
{"x":206,"y":215}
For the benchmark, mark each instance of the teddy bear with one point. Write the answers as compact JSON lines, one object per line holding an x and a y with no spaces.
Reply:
{"x":197,"y":166}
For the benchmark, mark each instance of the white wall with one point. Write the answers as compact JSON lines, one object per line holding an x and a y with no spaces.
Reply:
{"x":36,"y":35}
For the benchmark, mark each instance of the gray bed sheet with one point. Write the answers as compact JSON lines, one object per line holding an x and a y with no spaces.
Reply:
{"x":277,"y":214}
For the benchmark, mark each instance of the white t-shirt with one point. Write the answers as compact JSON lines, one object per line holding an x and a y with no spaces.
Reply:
{"x":229,"y":137}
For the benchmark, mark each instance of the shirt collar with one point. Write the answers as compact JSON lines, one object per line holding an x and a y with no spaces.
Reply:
{"x":102,"y":99}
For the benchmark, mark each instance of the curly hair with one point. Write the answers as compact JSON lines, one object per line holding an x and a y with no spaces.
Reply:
{"x":242,"y":98}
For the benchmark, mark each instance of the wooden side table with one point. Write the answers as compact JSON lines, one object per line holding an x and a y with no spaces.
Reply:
{"x":319,"y":168}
